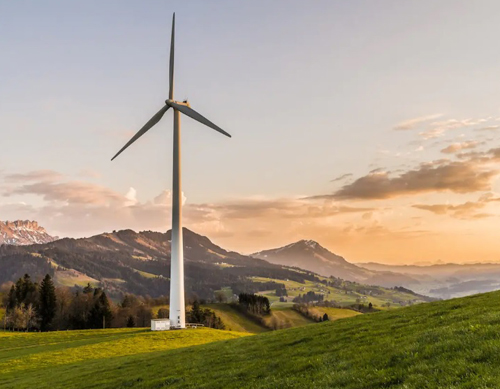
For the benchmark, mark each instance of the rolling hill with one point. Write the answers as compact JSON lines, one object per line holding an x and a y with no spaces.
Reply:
{"x":445,"y":344}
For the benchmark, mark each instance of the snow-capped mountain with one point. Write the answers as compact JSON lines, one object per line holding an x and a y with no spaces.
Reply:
{"x":23,"y":232}
{"x":310,"y":255}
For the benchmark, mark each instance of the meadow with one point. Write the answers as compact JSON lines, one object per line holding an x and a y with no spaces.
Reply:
{"x":353,"y":293}
{"x":445,"y":344}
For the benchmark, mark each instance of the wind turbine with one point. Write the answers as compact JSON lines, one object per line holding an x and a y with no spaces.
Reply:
{"x":177,"y":308}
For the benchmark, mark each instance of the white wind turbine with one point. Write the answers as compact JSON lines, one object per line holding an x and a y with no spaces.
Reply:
{"x":177,"y":308}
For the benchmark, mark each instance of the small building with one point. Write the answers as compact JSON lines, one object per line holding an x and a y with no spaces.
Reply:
{"x":160,"y":324}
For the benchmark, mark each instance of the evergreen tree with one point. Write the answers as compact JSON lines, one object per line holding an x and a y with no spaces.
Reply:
{"x":325,"y":317}
{"x":196,"y":314}
{"x":47,"y":303}
{"x":131,"y":321}
{"x":12,"y":299}
{"x":100,"y":314}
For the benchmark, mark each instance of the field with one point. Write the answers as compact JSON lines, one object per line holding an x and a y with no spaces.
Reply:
{"x":234,"y":320}
{"x":350,"y":294}
{"x":446,"y":344}
{"x":333,"y":313}
{"x":31,"y":354}
{"x":71,"y":278}
{"x":286,"y":318}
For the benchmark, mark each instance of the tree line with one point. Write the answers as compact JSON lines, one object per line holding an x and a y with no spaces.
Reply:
{"x":309,"y":297}
{"x":32,"y":306}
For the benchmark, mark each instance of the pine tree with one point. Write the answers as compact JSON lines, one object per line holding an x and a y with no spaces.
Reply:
{"x":325,"y":317}
{"x":12,"y":299}
{"x":196,"y":314}
{"x":100,"y":314}
{"x":47,"y":303}
{"x":131,"y":321}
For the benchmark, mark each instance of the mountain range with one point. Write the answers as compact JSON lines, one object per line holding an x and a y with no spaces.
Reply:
{"x":139,"y":262}
{"x":23,"y":232}
{"x":127,"y":261}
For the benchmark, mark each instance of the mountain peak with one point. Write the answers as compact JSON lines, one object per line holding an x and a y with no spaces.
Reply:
{"x":309,"y":243}
{"x":23,"y":232}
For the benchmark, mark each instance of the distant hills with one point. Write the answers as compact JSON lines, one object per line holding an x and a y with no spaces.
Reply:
{"x":23,"y":232}
{"x":447,"y":280}
{"x":310,"y":255}
{"x":139,"y":262}
{"x":127,"y":261}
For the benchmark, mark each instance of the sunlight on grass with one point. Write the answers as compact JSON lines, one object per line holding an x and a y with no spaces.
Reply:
{"x":57,"y":348}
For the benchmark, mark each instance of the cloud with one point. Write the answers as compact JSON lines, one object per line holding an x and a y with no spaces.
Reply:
{"x":467,"y":210}
{"x":73,"y":192}
{"x":36,"y":175}
{"x":342,"y":177}
{"x":285,"y":208}
{"x":437,"y":129}
{"x":488,"y":128}
{"x":455,"y":147}
{"x":78,"y":208}
{"x":412,"y":123}
{"x":467,"y":176}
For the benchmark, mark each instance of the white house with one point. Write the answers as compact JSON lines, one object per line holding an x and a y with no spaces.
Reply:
{"x":160,"y":324}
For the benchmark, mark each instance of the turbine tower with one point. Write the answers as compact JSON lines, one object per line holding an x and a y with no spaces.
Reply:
{"x":177,"y":307}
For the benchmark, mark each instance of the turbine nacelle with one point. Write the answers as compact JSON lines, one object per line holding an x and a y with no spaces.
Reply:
{"x":172,"y":103}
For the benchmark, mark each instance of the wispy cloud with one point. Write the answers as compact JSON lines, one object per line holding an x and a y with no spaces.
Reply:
{"x":342,"y":177}
{"x":437,"y":129}
{"x":456,"y":147}
{"x":36,"y":175}
{"x":412,"y":123}
{"x":467,"y":210}
{"x":488,"y":128}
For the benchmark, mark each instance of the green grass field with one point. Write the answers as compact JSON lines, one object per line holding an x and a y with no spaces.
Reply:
{"x":31,"y":353}
{"x":446,"y":344}
{"x":286,"y":317}
{"x":234,"y":320}
{"x":333,"y":313}
{"x":334,"y":294}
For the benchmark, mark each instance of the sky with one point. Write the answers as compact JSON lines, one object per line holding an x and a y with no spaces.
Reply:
{"x":370,"y":127}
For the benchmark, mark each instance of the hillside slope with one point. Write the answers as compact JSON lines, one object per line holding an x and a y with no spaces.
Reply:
{"x":445,"y":344}
{"x":310,"y":255}
{"x":139,"y":263}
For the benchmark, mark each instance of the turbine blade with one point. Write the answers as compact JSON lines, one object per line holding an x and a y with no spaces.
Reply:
{"x":188,"y":111}
{"x":171,"y":71}
{"x":155,"y":119}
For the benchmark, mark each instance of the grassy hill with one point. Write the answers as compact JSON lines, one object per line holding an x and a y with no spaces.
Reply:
{"x":347,"y":293}
{"x":285,"y":317}
{"x":234,"y":320}
{"x":445,"y":344}
{"x":33,"y":354}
